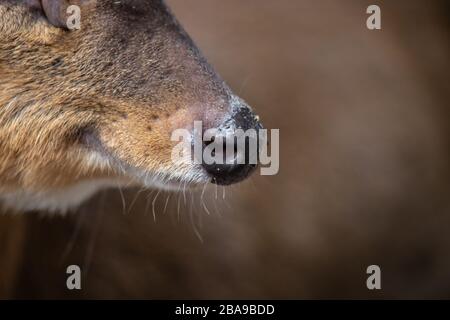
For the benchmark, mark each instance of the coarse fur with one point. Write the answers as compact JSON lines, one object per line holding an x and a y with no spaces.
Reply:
{"x":94,"y":108}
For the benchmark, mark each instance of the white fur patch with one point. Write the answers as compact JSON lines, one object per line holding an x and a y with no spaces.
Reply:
{"x":56,"y":201}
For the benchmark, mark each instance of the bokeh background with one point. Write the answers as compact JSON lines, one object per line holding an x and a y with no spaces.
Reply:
{"x":364,"y":177}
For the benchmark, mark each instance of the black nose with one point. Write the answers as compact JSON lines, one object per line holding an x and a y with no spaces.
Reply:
{"x":230,"y":171}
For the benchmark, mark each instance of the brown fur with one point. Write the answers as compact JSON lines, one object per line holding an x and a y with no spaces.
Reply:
{"x":364,"y":176}
{"x":118,"y":86}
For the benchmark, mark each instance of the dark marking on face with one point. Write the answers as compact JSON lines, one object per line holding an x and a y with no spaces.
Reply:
{"x":82,"y":134}
{"x":59,"y":61}
{"x":123,"y":115}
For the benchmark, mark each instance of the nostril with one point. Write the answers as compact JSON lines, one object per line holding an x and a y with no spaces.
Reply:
{"x":229,"y":167}
{"x":224,"y":174}
{"x":234,"y":149}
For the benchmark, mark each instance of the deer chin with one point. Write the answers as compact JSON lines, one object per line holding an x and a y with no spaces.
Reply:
{"x":66,"y":199}
{"x":171,"y":177}
{"x":60,"y":200}
{"x":176,"y":180}
{"x":166,"y":175}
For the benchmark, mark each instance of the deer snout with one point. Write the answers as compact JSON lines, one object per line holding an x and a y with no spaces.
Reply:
{"x":236,"y":146}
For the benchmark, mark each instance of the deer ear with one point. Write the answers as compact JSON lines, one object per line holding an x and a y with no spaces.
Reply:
{"x":55,"y":10}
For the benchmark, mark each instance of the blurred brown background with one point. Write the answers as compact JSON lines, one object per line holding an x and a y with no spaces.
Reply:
{"x":364,"y":177}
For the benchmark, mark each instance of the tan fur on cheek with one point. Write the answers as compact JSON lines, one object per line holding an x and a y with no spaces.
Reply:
{"x":98,"y":104}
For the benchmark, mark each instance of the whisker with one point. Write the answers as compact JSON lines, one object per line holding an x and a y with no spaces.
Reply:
{"x":147,"y":201}
{"x":202,"y":200}
{"x":216,"y":191}
{"x":178,"y":207}
{"x":91,"y":245}
{"x":124,"y":205}
{"x":153,"y":205}
{"x":191,"y":218}
{"x":167,"y":202}
{"x":184,"y":192}
{"x":134,"y":200}
{"x":70,"y":245}
{"x":199,"y":214}
{"x":223,"y":193}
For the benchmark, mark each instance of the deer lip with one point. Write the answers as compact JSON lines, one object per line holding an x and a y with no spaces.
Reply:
{"x":164,"y":180}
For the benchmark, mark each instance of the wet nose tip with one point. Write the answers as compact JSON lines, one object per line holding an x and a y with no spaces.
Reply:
{"x":245,"y":119}
{"x":230,"y":170}
{"x":225,"y":174}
